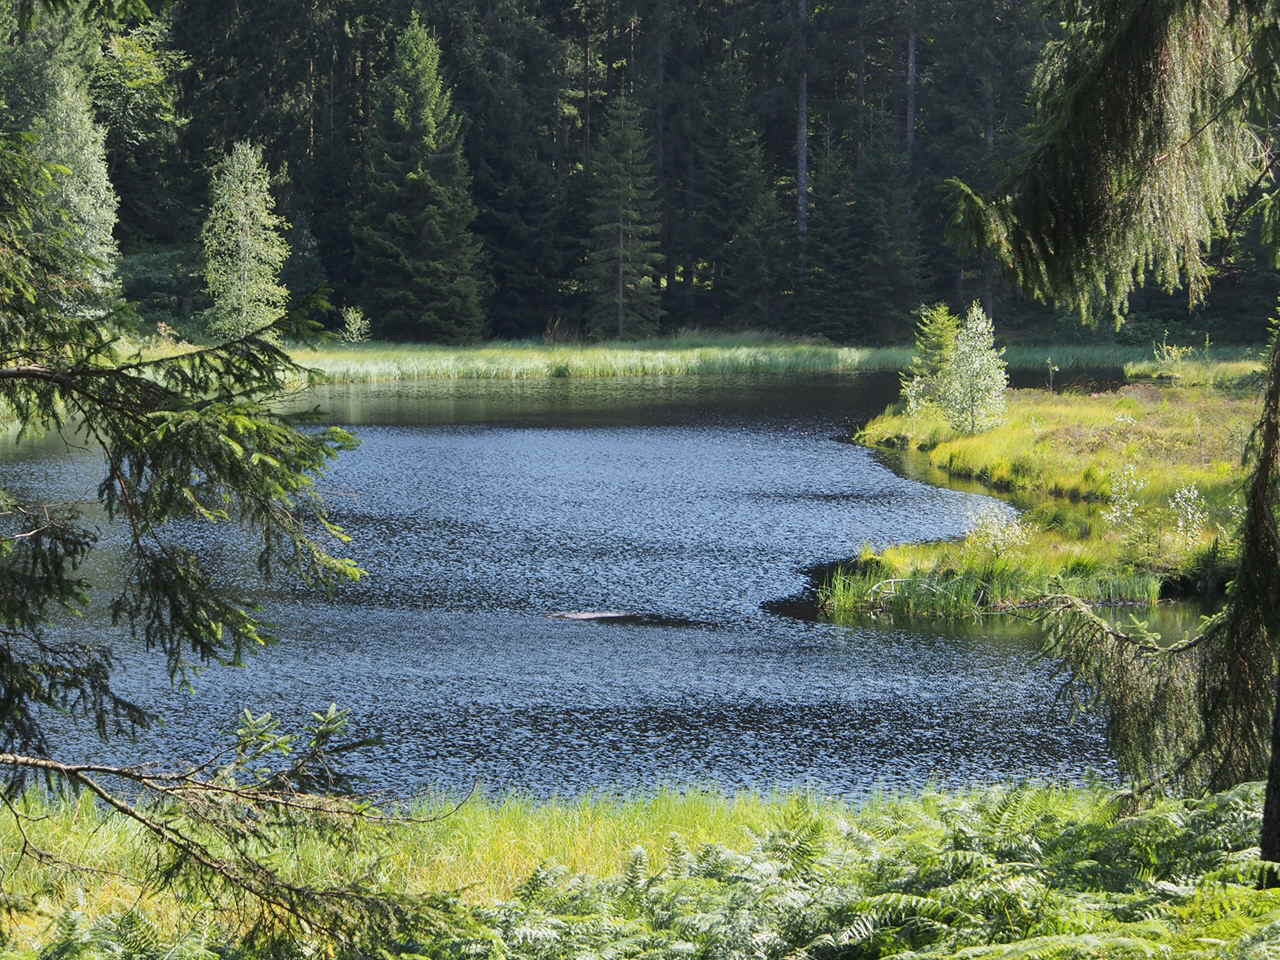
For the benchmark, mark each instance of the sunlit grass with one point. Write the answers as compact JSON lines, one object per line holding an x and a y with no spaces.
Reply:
{"x":1072,"y":445}
{"x":1060,"y":453}
{"x":485,"y":847}
{"x":684,"y":355}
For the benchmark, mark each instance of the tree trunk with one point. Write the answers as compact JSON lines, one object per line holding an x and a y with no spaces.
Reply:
{"x":1260,"y":523}
{"x":909,"y":120}
{"x":1270,"y":840}
{"x":621,"y":281}
{"x":860,"y":83}
{"x":586,"y":88}
{"x":802,"y":120}
{"x":989,"y":137}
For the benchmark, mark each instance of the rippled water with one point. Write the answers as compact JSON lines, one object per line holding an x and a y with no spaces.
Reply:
{"x":480,"y":509}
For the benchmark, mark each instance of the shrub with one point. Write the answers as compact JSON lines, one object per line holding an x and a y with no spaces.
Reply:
{"x":355,"y":326}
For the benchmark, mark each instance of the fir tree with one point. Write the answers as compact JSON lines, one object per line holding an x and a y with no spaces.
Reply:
{"x":244,"y":249}
{"x":420,"y":262}
{"x":621,"y":272}
{"x":833,"y":302}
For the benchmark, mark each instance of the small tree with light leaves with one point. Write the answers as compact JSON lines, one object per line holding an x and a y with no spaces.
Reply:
{"x":973,"y":380}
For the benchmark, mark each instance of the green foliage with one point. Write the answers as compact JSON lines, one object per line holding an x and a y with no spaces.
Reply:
{"x":936,"y":331}
{"x":1134,"y":163}
{"x":1014,"y":871}
{"x":957,"y":368}
{"x":355,"y":326}
{"x":244,"y":249}
{"x":82,"y":201}
{"x":1135,"y":453}
{"x":1020,"y":872}
{"x":420,"y":262}
{"x":135,"y":93}
{"x":621,"y":271}
{"x":972,"y":383}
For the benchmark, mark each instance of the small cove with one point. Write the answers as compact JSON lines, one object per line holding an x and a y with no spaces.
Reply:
{"x":480,"y":509}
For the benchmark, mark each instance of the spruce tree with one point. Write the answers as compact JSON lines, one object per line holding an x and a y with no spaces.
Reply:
{"x":621,"y":270}
{"x":244,"y":249}
{"x":419,"y":260}
{"x":81,"y":201}
{"x":834,"y":302}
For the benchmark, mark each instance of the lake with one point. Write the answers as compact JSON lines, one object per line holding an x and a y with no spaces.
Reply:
{"x":483,"y":509}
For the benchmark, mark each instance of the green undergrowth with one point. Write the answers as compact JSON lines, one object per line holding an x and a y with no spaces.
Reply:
{"x":1065,"y":458}
{"x":1014,"y":872}
{"x":686,"y":354}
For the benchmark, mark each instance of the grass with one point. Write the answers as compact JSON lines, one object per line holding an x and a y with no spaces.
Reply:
{"x":487,"y":848}
{"x":1060,"y":455}
{"x":1009,"y":872}
{"x":690,"y":353}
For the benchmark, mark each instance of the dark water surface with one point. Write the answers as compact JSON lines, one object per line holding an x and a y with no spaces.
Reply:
{"x":479,"y":509}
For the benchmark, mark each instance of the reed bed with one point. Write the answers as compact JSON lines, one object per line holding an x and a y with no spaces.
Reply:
{"x":686,"y":355}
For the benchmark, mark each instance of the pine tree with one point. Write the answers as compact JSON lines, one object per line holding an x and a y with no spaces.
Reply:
{"x":419,"y":260}
{"x":621,"y":272}
{"x":739,"y":226}
{"x":244,"y":249}
{"x":44,"y":94}
{"x":937,"y":329}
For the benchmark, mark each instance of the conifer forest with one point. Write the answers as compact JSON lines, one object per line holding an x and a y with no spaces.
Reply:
{"x":639,"y":479}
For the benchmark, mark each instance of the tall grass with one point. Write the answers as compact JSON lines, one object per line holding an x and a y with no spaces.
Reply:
{"x":684,"y":355}
{"x":1010,"y":872}
{"x":486,"y":848}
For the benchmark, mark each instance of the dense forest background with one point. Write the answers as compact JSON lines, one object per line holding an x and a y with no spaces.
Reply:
{"x":462,"y":169}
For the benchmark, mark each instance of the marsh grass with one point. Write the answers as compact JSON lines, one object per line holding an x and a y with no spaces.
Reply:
{"x":1030,"y":871}
{"x":1059,"y":455}
{"x":688,"y":354}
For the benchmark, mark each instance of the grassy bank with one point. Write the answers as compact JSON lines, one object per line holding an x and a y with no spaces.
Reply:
{"x":687,"y":354}
{"x":1105,"y":481}
{"x":1013,"y":872}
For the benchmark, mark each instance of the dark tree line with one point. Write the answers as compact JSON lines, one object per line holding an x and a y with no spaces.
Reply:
{"x":791,"y":156}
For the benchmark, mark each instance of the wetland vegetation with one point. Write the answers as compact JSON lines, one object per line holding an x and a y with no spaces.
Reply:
{"x":1128,"y":496}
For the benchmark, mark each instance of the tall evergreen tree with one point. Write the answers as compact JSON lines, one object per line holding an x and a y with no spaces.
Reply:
{"x":82,"y":201}
{"x":748,"y":263}
{"x":419,"y":261}
{"x":244,"y":249}
{"x":509,"y":79}
{"x":621,"y":270}
{"x":135,"y":93}
{"x":1185,"y":144}
{"x":44,"y":94}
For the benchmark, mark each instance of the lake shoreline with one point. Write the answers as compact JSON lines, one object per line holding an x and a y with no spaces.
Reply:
{"x":685,"y":355}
